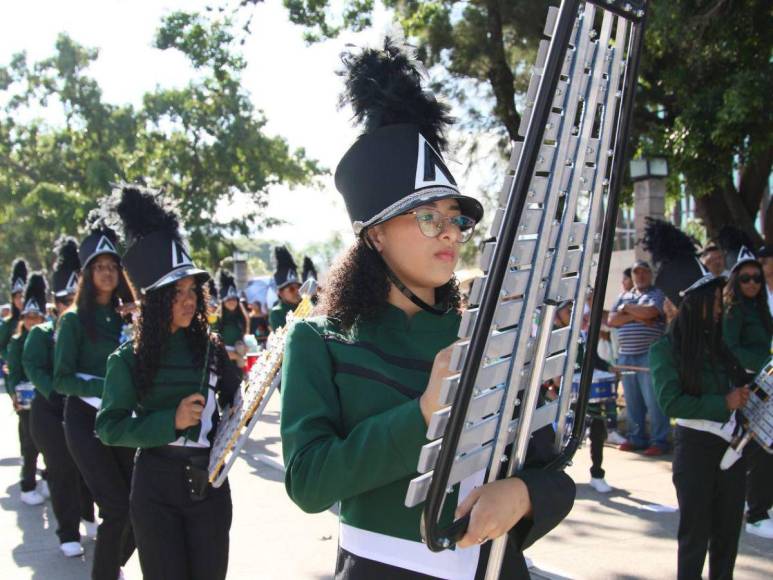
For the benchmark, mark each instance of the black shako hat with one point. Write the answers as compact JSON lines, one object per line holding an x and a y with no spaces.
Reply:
{"x":101,"y":239}
{"x":35,"y":295}
{"x":67,"y":267}
{"x":156,"y":255}
{"x":396,"y":164}
{"x":675,"y":255}
{"x":18,"y":276}
{"x":227,"y":283}
{"x":286,"y":270}
{"x":309,"y":271}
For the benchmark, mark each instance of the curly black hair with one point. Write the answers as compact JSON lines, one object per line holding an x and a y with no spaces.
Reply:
{"x":733,"y":296}
{"x":86,"y":297}
{"x":357,"y":287}
{"x":152,"y":330}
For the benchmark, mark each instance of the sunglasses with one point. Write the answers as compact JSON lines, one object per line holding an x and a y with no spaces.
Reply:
{"x":746,"y":278}
{"x":432,"y":223}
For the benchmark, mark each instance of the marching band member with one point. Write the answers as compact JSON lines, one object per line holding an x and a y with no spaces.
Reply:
{"x":19,"y":387}
{"x":694,"y":374}
{"x":361,"y":382}
{"x":86,"y":335}
{"x":233,"y":322}
{"x":8,"y":326}
{"x":288,"y":286}
{"x":70,"y":498}
{"x":747,"y":330}
{"x":160,"y":397}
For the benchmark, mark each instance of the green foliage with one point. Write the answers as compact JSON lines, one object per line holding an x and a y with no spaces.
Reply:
{"x":61,"y":144}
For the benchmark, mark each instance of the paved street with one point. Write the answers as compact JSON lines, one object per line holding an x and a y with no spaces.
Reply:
{"x":618,"y":536}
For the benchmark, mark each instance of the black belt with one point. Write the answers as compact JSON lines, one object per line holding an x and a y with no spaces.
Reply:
{"x":176,"y":451}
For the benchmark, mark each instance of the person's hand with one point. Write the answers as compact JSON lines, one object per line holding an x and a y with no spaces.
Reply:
{"x":429,"y":402}
{"x":189,"y":411}
{"x":15,"y":403}
{"x":494,"y":509}
{"x":127,"y":308}
{"x":737,"y":398}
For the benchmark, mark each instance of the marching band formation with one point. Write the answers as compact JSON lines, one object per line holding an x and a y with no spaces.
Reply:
{"x":123,"y":389}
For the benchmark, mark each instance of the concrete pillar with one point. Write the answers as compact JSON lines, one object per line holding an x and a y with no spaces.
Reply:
{"x":649,"y":201}
{"x":241,"y":273}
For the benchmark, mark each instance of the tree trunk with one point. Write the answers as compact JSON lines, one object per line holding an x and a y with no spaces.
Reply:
{"x":499,"y":74}
{"x":724,"y":207}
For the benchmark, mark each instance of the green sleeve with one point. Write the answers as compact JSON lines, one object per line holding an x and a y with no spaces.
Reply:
{"x":35,"y":360}
{"x":324,"y":463}
{"x":15,"y":369}
{"x":732,"y":331}
{"x":276,"y":318}
{"x":5,"y":337}
{"x":68,"y":341}
{"x":121,"y":420}
{"x":671,"y":398}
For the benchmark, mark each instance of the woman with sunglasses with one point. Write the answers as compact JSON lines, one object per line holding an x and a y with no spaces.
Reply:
{"x":361,"y":382}
{"x":87,"y":334}
{"x":748,"y":328}
{"x":70,"y":498}
{"x":161,"y":398}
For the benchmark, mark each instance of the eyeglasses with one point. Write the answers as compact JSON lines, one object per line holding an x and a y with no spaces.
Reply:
{"x":746,"y":278}
{"x":432,"y":223}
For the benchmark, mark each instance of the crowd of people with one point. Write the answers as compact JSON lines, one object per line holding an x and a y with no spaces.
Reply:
{"x":121,"y":385}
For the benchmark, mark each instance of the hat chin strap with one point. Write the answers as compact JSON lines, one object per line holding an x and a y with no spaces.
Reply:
{"x":399,"y":284}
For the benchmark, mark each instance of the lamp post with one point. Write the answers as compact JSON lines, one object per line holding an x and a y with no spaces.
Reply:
{"x":649,"y":194}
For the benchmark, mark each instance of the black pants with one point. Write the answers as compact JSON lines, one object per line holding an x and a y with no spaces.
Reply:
{"x":710,"y":504}
{"x":598,"y":434}
{"x":29,"y":453}
{"x":107,"y":471}
{"x":70,"y":498}
{"x":178,"y":538}
{"x":759,"y":485}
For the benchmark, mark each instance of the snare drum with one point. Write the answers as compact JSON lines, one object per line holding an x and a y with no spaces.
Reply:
{"x":603,"y":387}
{"x":25,"y":392}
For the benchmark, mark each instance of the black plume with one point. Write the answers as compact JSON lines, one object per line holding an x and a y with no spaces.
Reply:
{"x":284,"y":259}
{"x":730,"y":239}
{"x":96,"y":223}
{"x":225,"y":279}
{"x":212,"y":288}
{"x":383,"y":87}
{"x":67,"y":255}
{"x":36,"y":290}
{"x":309,"y":271}
{"x":19,"y":271}
{"x":142,"y":213}
{"x":666,"y":242}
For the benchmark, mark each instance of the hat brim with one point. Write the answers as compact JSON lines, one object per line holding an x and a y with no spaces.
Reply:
{"x":176,"y":275}
{"x":738,"y":265}
{"x":702,"y":282}
{"x":469,"y":206}
{"x":100,"y":253}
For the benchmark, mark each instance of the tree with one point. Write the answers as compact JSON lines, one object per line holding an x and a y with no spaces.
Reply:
{"x":704,"y":86}
{"x":204,"y":144}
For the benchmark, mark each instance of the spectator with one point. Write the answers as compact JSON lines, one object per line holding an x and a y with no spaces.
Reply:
{"x":627,"y":280}
{"x":638,"y":314}
{"x":766,"y":259}
{"x":713,"y":258}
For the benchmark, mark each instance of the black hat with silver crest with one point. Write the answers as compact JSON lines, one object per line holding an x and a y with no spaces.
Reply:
{"x":18,"y":276}
{"x":156,"y":255}
{"x":35,"y":295}
{"x":100,"y":240}
{"x":309,"y":271}
{"x":67,"y":267}
{"x":227,"y":284}
{"x":675,"y":255}
{"x":286,"y":270}
{"x":745,"y":256}
{"x":397,"y":163}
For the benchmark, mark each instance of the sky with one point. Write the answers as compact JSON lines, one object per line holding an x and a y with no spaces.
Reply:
{"x":294,"y":84}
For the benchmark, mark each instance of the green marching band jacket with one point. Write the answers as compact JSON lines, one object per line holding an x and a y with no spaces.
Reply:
{"x":277,"y":316}
{"x":16,"y":374}
{"x":38,"y":358}
{"x":352,"y":431}
{"x":7,"y":328}
{"x":230,"y":327}
{"x":130,"y":420}
{"x":79,"y":362}
{"x":746,"y":335}
{"x":715,"y":384}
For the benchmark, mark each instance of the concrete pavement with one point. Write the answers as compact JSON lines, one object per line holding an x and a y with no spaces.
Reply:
{"x":617,"y":536}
